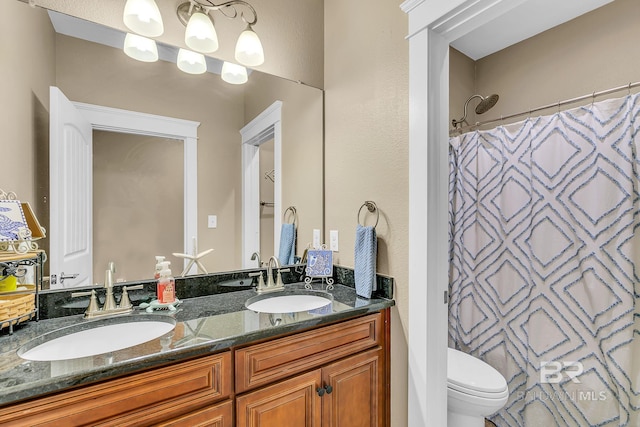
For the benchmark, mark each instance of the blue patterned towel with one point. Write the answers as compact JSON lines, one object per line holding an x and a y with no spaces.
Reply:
{"x":287,"y":251}
{"x":365,"y":260}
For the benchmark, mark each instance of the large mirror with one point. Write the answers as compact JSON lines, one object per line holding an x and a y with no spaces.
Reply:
{"x":95,"y":73}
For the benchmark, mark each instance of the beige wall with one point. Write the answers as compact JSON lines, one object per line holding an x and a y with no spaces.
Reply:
{"x":462,"y":84}
{"x":593,"y":52}
{"x":27,"y":69}
{"x":366,"y":144}
{"x":290,"y":31}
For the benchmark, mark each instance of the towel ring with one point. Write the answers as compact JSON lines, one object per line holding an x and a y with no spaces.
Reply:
{"x":293,"y":212}
{"x":371,"y":207}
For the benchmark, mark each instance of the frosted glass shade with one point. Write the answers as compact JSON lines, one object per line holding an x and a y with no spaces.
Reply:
{"x":200,"y":34}
{"x":191,"y":62}
{"x":143,"y":17}
{"x":249,"y":49}
{"x":234,"y":73}
{"x":140,"y":48}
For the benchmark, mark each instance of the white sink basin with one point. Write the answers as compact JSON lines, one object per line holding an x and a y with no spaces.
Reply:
{"x":313,"y":302}
{"x":94,"y":338}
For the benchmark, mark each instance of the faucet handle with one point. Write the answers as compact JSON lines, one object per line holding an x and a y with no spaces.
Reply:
{"x":125,"y":302}
{"x":279,"y":276}
{"x":93,"y":301}
{"x":258,"y":274}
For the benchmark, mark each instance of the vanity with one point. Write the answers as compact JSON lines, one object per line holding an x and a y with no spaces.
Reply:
{"x":221,"y":365}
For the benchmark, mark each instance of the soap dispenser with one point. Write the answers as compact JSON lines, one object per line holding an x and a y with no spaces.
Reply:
{"x":166,"y":287}
{"x":159,"y":260}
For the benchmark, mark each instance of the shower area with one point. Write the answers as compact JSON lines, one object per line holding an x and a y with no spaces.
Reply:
{"x":544,"y":220}
{"x":544,"y":260}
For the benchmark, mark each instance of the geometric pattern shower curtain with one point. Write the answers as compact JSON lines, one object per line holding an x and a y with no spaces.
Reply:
{"x":545,"y":262}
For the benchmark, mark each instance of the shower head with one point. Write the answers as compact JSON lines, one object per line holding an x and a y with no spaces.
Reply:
{"x":483,"y":106}
{"x":486,"y":103}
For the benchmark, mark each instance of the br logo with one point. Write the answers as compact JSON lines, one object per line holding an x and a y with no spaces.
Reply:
{"x":553,"y":372}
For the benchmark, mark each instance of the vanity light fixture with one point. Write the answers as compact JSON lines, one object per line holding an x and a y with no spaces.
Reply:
{"x":234,"y":73}
{"x":191,"y":62}
{"x":140,"y":48}
{"x":248,"y":49}
{"x":200,"y":34}
{"x":143,"y":17}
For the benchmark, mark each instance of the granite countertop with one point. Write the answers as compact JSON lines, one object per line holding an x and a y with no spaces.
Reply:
{"x":203,"y":325}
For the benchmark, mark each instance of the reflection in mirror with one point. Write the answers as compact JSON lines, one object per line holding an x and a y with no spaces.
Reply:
{"x":93,"y":73}
{"x":137,"y":209}
{"x":267,"y":194}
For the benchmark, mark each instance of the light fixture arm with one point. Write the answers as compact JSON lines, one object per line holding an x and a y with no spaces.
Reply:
{"x":228,"y":9}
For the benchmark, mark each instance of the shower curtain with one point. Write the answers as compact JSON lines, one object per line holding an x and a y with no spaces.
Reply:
{"x":545,"y":263}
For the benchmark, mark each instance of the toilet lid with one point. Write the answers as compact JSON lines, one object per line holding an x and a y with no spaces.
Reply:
{"x":467,"y":372}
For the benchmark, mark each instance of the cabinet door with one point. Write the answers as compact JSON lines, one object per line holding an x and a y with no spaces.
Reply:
{"x":355,"y":391}
{"x":294,"y":402}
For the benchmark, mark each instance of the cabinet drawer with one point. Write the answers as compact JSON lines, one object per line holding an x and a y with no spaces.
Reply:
{"x":139,"y":399}
{"x":264,"y":363}
{"x":220,"y":415}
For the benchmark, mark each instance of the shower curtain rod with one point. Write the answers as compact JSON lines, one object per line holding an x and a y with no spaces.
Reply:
{"x":545,"y":107}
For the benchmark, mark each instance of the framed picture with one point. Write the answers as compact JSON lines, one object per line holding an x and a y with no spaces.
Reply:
{"x":12,"y":219}
{"x":319,"y":263}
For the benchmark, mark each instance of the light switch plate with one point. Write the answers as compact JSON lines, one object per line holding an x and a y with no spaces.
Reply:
{"x":333,"y":240}
{"x":316,"y":238}
{"x":212,"y":221}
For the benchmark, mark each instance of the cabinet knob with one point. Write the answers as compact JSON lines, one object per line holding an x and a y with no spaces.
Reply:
{"x":320,"y":391}
{"x":328,"y":389}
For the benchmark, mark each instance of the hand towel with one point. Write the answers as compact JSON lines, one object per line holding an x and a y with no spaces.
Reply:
{"x":287,"y":252}
{"x":365,"y":260}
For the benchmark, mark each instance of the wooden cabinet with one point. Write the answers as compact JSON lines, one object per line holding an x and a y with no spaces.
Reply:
{"x":331,"y":376}
{"x":334,"y":376}
{"x":355,"y":391}
{"x":293,"y":402}
{"x":347,"y":393}
{"x":172,"y":394}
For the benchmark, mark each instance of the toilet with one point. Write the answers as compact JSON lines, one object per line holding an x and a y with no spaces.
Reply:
{"x":474,"y":390}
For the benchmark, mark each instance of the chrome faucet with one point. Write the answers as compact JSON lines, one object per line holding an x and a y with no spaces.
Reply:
{"x":110,"y":307}
{"x":270,"y":286}
{"x":256,"y":255}
{"x":273,"y":260}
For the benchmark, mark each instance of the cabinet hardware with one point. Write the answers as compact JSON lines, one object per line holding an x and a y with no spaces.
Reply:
{"x":329,"y":389}
{"x":320,"y":391}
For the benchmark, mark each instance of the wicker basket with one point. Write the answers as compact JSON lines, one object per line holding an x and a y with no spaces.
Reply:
{"x":16,"y":308}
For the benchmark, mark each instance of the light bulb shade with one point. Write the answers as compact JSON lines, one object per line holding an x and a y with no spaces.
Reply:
{"x":200,"y":34}
{"x":233,"y":73}
{"x":143,"y":17}
{"x":140,"y":48}
{"x":191,"y":62}
{"x":249,"y":49}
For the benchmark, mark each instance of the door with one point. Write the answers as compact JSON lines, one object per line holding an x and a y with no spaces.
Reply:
{"x":354,"y":391}
{"x":294,"y":402}
{"x":70,"y":194}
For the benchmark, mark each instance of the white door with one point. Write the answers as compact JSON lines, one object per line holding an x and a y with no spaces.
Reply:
{"x":70,"y":194}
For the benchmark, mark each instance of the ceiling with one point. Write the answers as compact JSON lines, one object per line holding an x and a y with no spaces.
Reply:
{"x":525,"y":20}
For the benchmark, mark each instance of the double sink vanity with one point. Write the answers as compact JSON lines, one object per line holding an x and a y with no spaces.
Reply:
{"x":226,"y":356}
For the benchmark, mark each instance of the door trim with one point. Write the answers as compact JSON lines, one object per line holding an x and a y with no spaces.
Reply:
{"x":132,"y":122}
{"x":263,"y":128}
